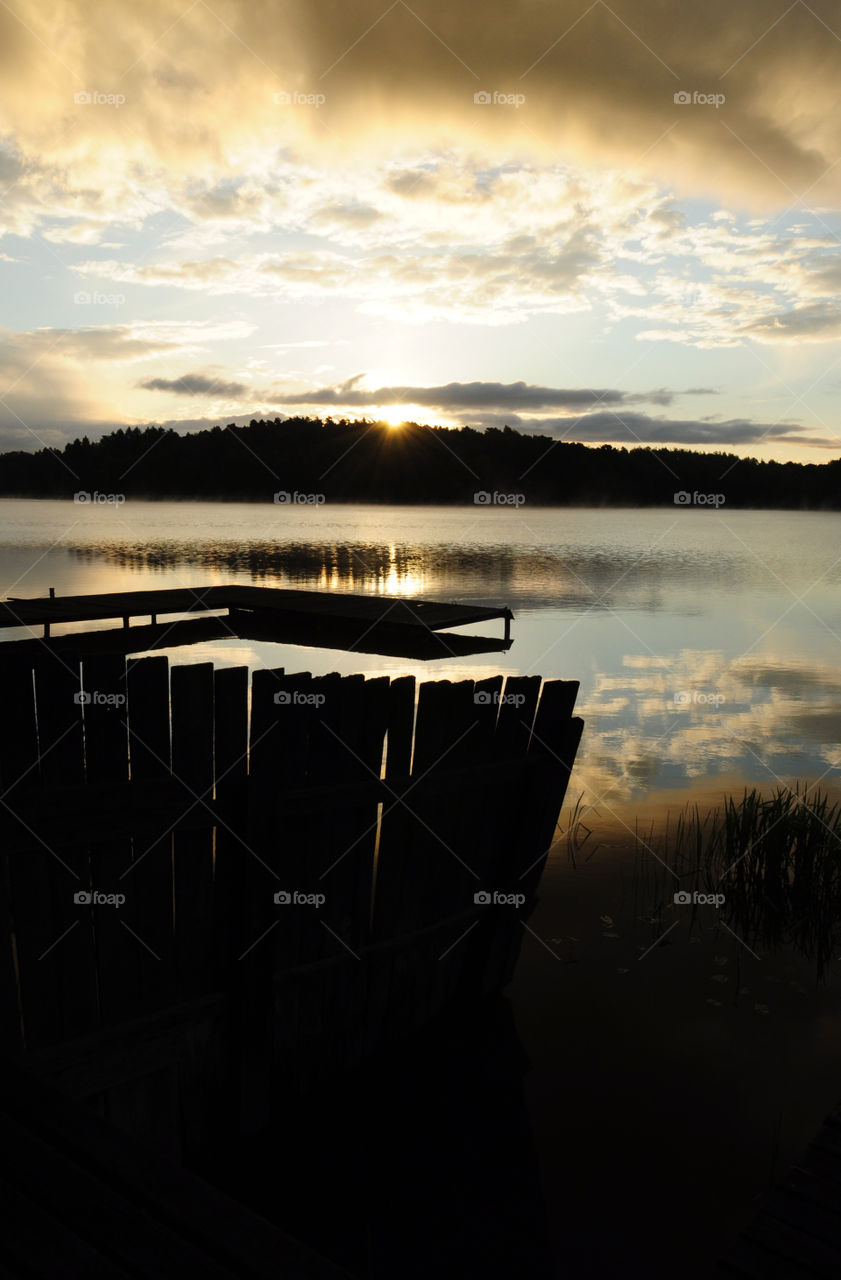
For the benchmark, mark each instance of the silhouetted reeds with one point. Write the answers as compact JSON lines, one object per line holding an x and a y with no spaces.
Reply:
{"x":775,"y":859}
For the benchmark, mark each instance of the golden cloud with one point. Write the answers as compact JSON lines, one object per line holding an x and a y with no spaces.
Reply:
{"x":740,"y":101}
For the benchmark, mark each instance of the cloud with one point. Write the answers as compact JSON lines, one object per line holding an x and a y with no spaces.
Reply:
{"x":347,"y":215}
{"x":43,"y":399}
{"x":537,"y":242}
{"x":199,"y":87}
{"x":196,"y":384}
{"x":639,"y":428}
{"x":454,"y":396}
{"x":129,"y":342}
{"x":816,"y":322}
{"x":47,"y":394}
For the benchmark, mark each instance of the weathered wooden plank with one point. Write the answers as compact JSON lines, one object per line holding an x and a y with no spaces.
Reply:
{"x":191,"y":693}
{"x":444,"y":720}
{"x":11,"y":1022}
{"x":452,"y":820}
{"x":486,"y":696}
{"x":28,"y":877}
{"x":268,"y":753}
{"x":149,"y":878}
{"x":307,"y":849}
{"x":192,"y":764}
{"x":354,"y":991}
{"x":397,"y":610}
{"x":343,"y":840}
{"x":350,"y":731}
{"x":71,"y":964}
{"x":106,"y":762}
{"x":517,"y":703}
{"x":230,"y":712}
{"x":494,"y":778}
{"x":555,"y":739}
{"x":440,"y":849}
{"x":18,"y":766}
{"x":395,"y":821}
{"x":517,"y":707}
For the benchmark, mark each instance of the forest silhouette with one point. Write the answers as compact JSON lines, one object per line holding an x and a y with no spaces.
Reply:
{"x":369,"y":461}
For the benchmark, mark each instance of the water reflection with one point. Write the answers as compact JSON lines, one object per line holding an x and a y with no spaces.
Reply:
{"x":531,"y":578}
{"x":707,"y":644}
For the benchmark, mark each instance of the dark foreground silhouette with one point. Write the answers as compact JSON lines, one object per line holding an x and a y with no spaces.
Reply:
{"x":420,"y":1164}
{"x":308,"y":460}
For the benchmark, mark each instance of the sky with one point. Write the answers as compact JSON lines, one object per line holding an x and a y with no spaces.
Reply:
{"x":603,"y":222}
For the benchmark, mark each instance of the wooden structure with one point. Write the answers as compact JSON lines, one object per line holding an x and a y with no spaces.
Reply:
{"x":372,"y":624}
{"x":298,"y":860}
{"x":796,"y":1231}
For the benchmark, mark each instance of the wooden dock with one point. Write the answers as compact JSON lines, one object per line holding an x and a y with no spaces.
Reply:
{"x":331,"y":619}
{"x":796,"y":1231}
{"x":199,"y":795}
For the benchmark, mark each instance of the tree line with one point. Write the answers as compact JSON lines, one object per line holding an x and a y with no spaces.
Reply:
{"x":372,"y":462}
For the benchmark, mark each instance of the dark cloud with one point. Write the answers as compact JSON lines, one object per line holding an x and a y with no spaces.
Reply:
{"x":597,"y":82}
{"x":196,"y":384}
{"x":626,"y":428}
{"x":453,"y":396}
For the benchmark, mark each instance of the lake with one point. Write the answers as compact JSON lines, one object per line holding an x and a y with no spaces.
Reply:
{"x":677,"y":1071}
{"x":707,"y":642}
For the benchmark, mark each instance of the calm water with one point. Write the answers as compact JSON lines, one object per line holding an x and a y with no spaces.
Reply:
{"x":707,"y":644}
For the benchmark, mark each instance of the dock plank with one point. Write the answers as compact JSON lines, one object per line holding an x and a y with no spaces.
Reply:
{"x":396,"y":611}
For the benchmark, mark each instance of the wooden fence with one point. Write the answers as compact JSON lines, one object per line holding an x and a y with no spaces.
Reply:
{"x":209,"y":888}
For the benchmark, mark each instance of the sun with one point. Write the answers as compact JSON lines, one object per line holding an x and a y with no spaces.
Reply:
{"x":393,"y":414}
